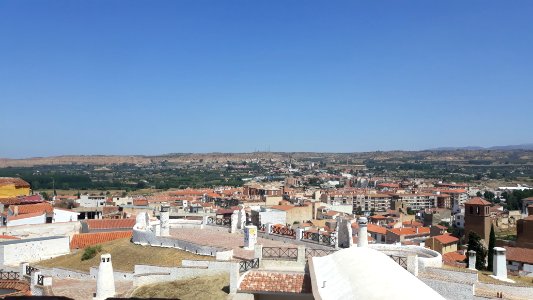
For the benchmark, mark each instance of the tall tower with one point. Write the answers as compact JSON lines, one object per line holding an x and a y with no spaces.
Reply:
{"x":105,"y":282}
{"x":477,"y":218}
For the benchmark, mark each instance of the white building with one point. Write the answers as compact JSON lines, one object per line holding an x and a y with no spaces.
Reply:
{"x":64,"y":215}
{"x":91,"y":201}
{"x":121,"y":201}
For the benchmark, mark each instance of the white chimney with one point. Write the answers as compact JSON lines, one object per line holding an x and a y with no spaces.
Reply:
{"x":105,"y":282}
{"x":363,"y":232}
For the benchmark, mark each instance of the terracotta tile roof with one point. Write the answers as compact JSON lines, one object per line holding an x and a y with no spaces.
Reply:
{"x":412,"y":224}
{"x":11,"y":201}
{"x":109,"y":209}
{"x":446,"y":239}
{"x":25,"y":216}
{"x":478,"y":201}
{"x":8,"y":237}
{"x":17,"y":182}
{"x":110,"y":224}
{"x":410,"y":231}
{"x":34,"y":208}
{"x":376,"y":229}
{"x":31,"y":199}
{"x":82,"y":240}
{"x":453,"y":257}
{"x":264,"y":281}
{"x":22,"y":287}
{"x":140,"y":202}
{"x":524,"y":255}
{"x":283,"y":207}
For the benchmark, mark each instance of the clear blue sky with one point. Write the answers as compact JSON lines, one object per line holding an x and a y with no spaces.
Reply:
{"x":151,"y":77}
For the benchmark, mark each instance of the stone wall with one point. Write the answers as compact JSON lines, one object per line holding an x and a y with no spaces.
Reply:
{"x":118,"y":275}
{"x":145,"y":274}
{"x":42,"y":230}
{"x":65,"y":273}
{"x":142,"y":237}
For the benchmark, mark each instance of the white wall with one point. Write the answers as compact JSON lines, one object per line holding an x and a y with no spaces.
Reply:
{"x":33,"y":250}
{"x":91,"y":201}
{"x":123,"y":200}
{"x":61,"y":215}
{"x":41,"y":230}
{"x":528,"y":268}
{"x":28,"y":221}
{"x":273,"y":216}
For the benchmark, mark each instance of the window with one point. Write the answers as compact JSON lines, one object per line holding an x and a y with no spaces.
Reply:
{"x":471,"y":210}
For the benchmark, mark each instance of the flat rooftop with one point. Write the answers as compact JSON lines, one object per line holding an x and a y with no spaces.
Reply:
{"x":44,"y":238}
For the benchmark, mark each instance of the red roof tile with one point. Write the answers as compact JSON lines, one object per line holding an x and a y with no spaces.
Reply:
{"x":33,"y":208}
{"x":17,"y":182}
{"x":110,"y":224}
{"x":82,"y":240}
{"x":283,"y":207}
{"x":140,"y":202}
{"x":478,"y":201}
{"x":410,"y":231}
{"x":524,"y":255}
{"x":263,"y":281}
{"x":446,"y":239}
{"x":453,"y":257}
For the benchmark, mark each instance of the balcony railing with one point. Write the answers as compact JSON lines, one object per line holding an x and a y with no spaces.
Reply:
{"x":30,"y":269}
{"x":401,"y":260}
{"x":246,"y":265}
{"x":40,"y":279}
{"x":283,"y":230}
{"x":219,"y":221}
{"x":317,"y":252}
{"x":280,"y":253}
{"x":320,"y":238}
{"x":10,"y":275}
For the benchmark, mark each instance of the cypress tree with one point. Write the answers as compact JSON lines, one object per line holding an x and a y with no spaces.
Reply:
{"x":474,"y":243}
{"x":492,"y":244}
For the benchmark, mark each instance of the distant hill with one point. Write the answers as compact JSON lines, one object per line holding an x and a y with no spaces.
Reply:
{"x":508,"y":147}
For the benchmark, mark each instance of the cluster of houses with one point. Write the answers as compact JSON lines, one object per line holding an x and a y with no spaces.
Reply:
{"x":404,"y":212}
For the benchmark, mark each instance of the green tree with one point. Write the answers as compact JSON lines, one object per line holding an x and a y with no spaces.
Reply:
{"x":474,"y":243}
{"x":45,"y":196}
{"x":488,"y":195}
{"x":492,"y":244}
{"x":479,"y":194}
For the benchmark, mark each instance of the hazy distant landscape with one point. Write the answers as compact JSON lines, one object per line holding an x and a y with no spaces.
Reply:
{"x":215,"y":169}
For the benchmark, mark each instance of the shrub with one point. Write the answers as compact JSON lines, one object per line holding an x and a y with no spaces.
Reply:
{"x":91,"y":252}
